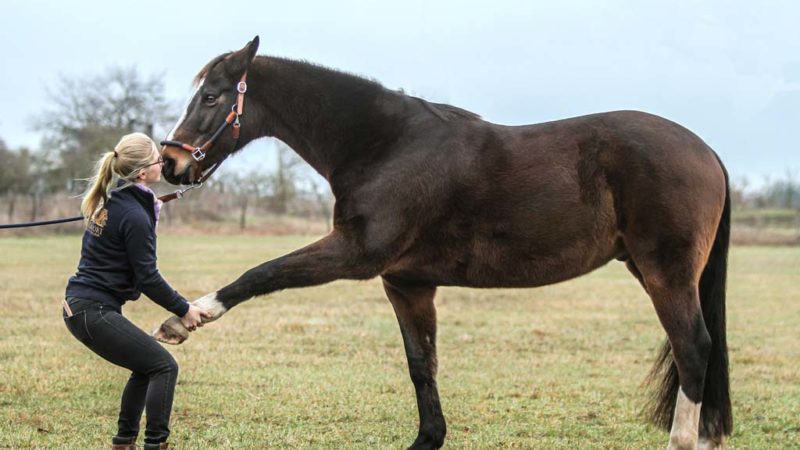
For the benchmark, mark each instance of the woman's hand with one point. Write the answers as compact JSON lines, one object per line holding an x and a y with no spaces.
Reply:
{"x":175,"y":330}
{"x":194,"y":317}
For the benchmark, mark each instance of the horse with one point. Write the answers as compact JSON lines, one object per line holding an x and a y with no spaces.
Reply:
{"x":428,"y":194}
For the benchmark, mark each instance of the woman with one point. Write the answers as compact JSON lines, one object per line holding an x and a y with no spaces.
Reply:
{"x":118,"y":263}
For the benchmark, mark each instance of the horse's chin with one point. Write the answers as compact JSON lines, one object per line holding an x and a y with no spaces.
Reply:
{"x":185,"y":177}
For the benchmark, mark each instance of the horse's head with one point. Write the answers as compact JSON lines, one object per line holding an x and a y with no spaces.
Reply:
{"x":208,"y":131}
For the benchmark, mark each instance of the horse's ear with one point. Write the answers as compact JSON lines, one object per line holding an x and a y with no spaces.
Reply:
{"x":239,"y":61}
{"x":252,"y":48}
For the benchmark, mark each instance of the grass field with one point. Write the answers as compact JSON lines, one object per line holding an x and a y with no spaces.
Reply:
{"x":557,"y":367}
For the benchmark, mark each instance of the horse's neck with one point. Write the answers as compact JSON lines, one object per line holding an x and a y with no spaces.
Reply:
{"x":327,"y":117}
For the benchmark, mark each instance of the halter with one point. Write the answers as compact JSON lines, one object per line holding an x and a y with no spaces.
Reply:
{"x":199,"y":153}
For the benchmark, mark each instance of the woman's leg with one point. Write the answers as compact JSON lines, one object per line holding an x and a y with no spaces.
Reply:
{"x":132,"y":405}
{"x":120,"y":342}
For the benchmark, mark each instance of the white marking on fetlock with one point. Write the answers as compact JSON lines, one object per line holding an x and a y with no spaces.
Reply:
{"x":211,"y":305}
{"x":172,"y":330}
{"x":685,"y":424}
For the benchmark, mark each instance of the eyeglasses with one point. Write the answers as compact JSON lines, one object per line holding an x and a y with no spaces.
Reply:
{"x":160,"y":161}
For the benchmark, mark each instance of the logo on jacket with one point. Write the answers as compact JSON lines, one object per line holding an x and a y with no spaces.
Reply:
{"x":97,"y":223}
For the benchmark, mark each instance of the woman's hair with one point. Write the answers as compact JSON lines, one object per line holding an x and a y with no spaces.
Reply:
{"x":133,"y":152}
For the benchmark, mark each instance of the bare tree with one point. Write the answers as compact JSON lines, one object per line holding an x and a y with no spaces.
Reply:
{"x":247,"y":187}
{"x":739,"y":191}
{"x":284,"y":180}
{"x":19,"y":172}
{"x":90,"y":114}
{"x":323,"y":199}
{"x":792,"y":187}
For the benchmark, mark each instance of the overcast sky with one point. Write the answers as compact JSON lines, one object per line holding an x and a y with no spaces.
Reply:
{"x":728,"y":70}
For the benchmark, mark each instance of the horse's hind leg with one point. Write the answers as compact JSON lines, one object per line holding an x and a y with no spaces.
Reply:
{"x":671,"y":280}
{"x":416,"y":314}
{"x":680,"y":313}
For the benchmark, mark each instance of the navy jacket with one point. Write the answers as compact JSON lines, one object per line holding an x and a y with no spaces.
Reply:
{"x":118,"y":255}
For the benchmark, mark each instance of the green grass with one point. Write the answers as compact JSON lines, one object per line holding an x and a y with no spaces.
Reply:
{"x":557,"y":367}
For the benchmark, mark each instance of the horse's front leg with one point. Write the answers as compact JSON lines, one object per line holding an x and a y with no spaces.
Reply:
{"x":416,"y":314}
{"x":331,"y":258}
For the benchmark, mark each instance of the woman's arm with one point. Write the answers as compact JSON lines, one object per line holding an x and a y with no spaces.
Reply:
{"x":140,"y":247}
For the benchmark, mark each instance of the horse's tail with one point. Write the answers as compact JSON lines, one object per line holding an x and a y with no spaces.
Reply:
{"x":716,"y":418}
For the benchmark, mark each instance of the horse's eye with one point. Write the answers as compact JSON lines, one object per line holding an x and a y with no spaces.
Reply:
{"x":209,"y":99}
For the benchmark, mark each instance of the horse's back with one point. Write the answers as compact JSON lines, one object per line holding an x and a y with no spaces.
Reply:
{"x":647,"y":163}
{"x":658,"y":171}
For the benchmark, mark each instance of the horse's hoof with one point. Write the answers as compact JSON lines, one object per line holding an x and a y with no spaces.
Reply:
{"x":428,"y":442}
{"x":171,"y":331}
{"x":717,"y":443}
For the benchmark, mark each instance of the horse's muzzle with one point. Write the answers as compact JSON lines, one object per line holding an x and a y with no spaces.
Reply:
{"x":168,"y":172}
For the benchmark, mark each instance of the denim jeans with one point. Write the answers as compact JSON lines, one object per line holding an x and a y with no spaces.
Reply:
{"x":151,"y":385}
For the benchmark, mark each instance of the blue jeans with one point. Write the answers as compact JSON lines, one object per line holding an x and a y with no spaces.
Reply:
{"x":154,"y":371}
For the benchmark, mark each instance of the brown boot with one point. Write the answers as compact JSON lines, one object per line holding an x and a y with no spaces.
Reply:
{"x":120,"y":443}
{"x":161,"y":446}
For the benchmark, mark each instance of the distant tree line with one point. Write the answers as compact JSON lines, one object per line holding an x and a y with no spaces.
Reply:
{"x":775,"y":193}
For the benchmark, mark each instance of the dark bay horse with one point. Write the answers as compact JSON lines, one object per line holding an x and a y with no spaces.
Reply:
{"x":430,"y":195}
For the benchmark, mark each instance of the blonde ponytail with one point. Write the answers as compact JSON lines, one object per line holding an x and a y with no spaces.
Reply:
{"x":132,"y":153}
{"x":98,"y":185}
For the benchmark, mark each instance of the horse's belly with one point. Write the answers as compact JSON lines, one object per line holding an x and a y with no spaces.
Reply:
{"x":495,"y":263}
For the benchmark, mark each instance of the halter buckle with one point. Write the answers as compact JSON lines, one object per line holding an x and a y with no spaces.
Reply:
{"x":241,"y":87}
{"x":235,"y":129}
{"x":198,"y":154}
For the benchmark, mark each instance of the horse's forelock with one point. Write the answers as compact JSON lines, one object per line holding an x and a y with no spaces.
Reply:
{"x":204,"y":71}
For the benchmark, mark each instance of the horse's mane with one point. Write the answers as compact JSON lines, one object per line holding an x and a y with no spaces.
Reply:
{"x":450,"y":111}
{"x":442,"y":110}
{"x":322,"y":71}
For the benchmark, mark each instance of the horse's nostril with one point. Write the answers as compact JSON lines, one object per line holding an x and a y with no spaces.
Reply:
{"x":169,"y":166}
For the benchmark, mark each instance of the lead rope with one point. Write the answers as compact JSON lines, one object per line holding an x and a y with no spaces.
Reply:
{"x":164,"y":198}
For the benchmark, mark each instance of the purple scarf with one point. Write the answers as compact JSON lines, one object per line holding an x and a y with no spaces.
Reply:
{"x":156,"y":204}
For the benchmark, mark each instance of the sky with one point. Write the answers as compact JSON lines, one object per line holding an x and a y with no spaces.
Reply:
{"x":727,"y":70}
